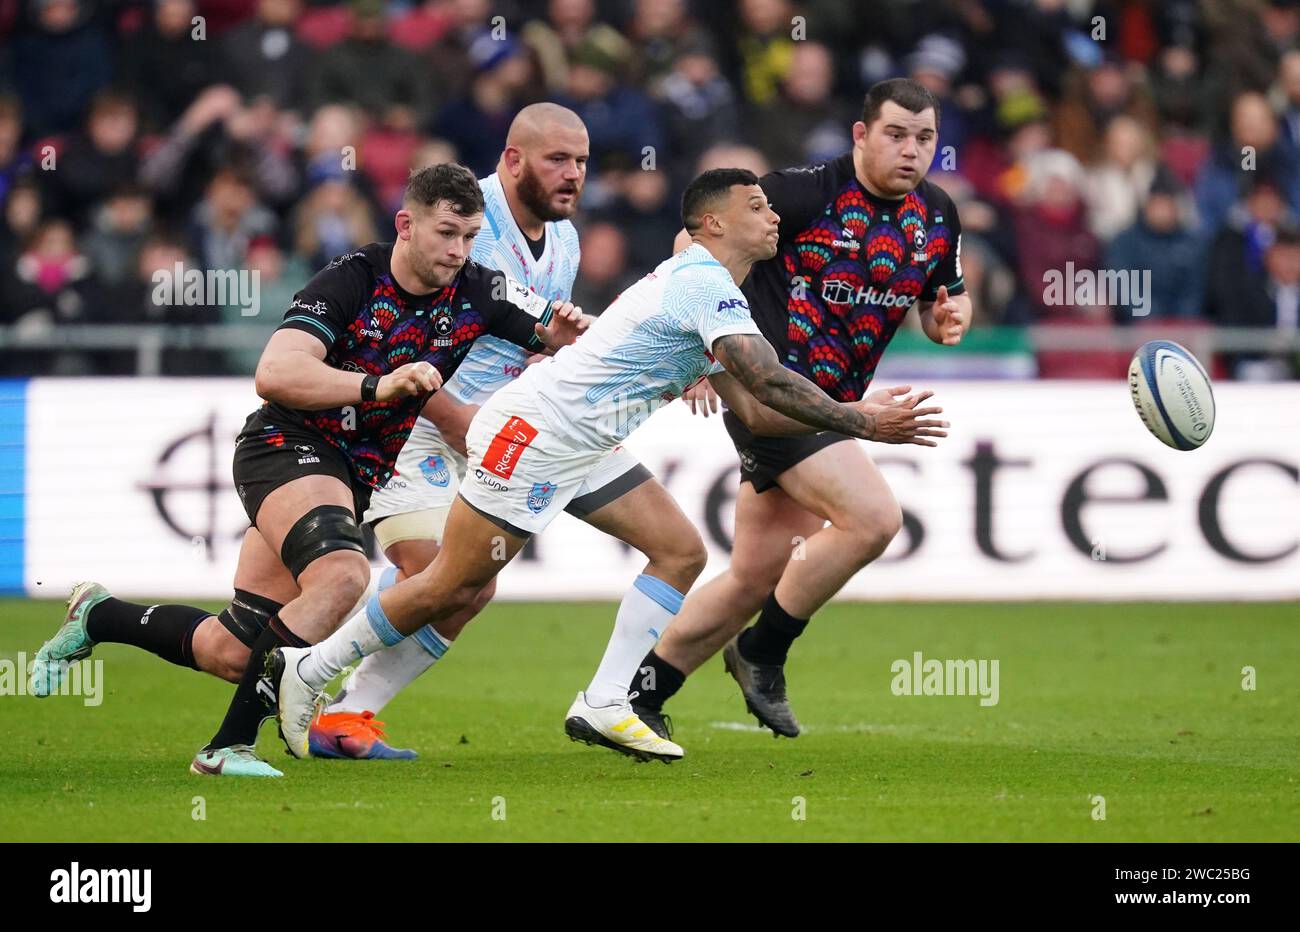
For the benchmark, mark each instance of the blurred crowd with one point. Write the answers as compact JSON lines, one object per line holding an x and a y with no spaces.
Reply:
{"x":1160,"y":135}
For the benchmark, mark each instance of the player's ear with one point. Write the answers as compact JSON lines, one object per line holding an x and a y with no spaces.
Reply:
{"x":859,"y":132}
{"x":402,"y":221}
{"x":513,"y":156}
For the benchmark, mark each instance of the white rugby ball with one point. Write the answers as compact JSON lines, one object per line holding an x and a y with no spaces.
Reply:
{"x":1172,"y":394}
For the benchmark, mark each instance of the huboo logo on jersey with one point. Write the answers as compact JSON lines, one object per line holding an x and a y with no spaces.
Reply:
{"x":838,"y":291}
{"x":434,"y":469}
{"x":540,"y":496}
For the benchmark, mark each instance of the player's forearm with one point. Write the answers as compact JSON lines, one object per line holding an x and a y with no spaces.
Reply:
{"x":451,"y":418}
{"x":930,"y":326}
{"x":299,"y":380}
{"x":764,"y":422}
{"x":790,"y":394}
{"x":751,"y":361}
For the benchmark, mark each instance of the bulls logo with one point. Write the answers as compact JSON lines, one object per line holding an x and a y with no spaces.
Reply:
{"x":434,"y":469}
{"x":540,"y":496}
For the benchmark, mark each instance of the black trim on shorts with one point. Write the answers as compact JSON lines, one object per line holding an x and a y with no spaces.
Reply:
{"x":763,"y":459}
{"x":261,"y":465}
{"x":584,"y":505}
{"x":499,"y":522}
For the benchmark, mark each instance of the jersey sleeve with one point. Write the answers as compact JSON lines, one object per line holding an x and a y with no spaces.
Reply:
{"x":707,"y":301}
{"x":948,"y":271}
{"x":510,"y":309}
{"x":798,"y":195}
{"x":328,"y":304}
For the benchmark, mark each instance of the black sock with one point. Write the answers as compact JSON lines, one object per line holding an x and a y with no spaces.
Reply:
{"x":248,"y":709}
{"x":655,"y":682}
{"x":769,"y":639}
{"x":165,"y":630}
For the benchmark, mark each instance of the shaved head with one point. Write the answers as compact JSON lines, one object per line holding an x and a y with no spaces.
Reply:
{"x":537,"y":121}
{"x":544,"y":165}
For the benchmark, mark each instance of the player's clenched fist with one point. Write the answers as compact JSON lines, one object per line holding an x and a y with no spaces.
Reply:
{"x":899,"y":420}
{"x":414,"y":378}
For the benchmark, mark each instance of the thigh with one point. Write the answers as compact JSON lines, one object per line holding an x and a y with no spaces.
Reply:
{"x":769,"y":527}
{"x":647,"y":517}
{"x":474,"y":549}
{"x":841,"y":484}
{"x":285,"y":506}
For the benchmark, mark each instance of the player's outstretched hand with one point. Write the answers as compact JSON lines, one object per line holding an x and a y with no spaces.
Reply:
{"x":901,"y":421}
{"x":567,"y":324}
{"x":948,"y":315}
{"x":701,"y":398}
{"x":887,"y":396}
{"x":414,"y":378}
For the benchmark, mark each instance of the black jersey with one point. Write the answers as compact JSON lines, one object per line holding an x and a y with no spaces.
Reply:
{"x":369,"y":324}
{"x":848,"y":267}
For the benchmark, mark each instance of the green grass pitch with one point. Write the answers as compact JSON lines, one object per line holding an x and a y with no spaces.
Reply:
{"x":1142,"y":704}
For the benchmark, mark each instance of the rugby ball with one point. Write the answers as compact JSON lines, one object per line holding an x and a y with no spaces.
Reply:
{"x":1172,"y":394}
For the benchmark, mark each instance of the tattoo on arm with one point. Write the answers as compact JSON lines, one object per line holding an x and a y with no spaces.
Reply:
{"x":752,"y":361}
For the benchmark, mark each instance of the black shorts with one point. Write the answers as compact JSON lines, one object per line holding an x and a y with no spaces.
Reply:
{"x":762,"y":459}
{"x":268,"y":456}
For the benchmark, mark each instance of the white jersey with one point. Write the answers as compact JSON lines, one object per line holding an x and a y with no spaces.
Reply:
{"x":492,"y":362}
{"x":651,"y":344}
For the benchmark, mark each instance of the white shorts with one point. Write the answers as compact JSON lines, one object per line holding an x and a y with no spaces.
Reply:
{"x":520,"y":476}
{"x":427,"y":476}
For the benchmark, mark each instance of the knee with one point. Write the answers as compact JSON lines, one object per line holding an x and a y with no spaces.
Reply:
{"x":460,"y":600}
{"x":413,"y":557}
{"x":483,"y":597}
{"x":754,"y":582}
{"x":338,"y":579}
{"x":684,"y":560}
{"x":451,"y":627}
{"x":872,"y":530}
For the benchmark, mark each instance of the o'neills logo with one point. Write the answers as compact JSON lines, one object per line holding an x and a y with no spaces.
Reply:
{"x":78,"y":885}
{"x":507,"y":446}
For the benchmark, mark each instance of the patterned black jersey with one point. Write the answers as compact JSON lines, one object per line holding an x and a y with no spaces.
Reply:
{"x":848,"y":267}
{"x":369,"y":324}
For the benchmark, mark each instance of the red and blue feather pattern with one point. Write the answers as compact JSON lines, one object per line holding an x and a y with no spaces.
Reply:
{"x":838,"y":343}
